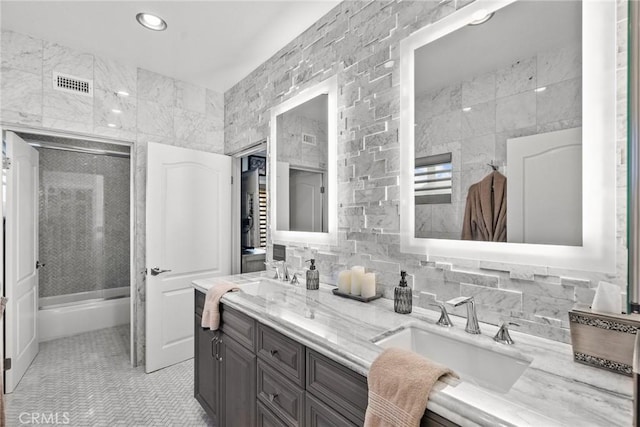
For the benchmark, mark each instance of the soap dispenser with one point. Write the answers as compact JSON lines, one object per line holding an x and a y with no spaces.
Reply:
{"x":402,"y":296}
{"x":313,"y":276}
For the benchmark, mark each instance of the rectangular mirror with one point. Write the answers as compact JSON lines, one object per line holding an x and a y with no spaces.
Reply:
{"x":507,"y":134}
{"x":303,"y":183}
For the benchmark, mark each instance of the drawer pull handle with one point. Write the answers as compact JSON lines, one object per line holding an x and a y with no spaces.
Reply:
{"x":214,"y":353}
{"x":272,"y":397}
{"x":273,"y":353}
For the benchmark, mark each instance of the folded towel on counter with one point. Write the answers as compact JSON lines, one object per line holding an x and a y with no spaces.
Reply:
{"x":399,"y":385}
{"x":211,"y":311}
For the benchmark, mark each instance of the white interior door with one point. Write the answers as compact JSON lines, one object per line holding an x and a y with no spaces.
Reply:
{"x":188,"y":229}
{"x":21,"y":341}
{"x":305,"y":192}
{"x":544,"y":189}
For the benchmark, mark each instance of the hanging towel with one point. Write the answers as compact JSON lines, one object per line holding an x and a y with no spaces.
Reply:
{"x":399,"y":385}
{"x":3,"y":303}
{"x":485,"y":215}
{"x":211,"y":311}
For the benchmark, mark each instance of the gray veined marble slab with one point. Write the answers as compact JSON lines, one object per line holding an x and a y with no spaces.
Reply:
{"x":554,"y":390}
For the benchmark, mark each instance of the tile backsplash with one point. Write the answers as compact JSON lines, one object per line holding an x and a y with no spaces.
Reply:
{"x":356,"y":41}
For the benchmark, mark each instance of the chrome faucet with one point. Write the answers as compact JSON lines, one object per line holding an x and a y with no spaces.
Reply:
{"x":285,"y":272}
{"x":282,"y":273}
{"x":472,"y":318}
{"x":502,"y":336}
{"x":444,"y":316}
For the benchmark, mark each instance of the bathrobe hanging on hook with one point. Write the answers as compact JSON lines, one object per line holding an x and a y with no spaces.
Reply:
{"x":485,"y":215}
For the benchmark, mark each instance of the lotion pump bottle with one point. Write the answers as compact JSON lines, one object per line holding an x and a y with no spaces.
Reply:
{"x":313,"y":276}
{"x":402,"y":296}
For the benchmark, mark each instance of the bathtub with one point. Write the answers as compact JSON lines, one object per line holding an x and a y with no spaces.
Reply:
{"x":65,"y":315}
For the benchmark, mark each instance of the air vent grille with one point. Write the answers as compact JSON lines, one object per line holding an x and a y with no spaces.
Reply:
{"x":72,"y":84}
{"x":308,"y":139}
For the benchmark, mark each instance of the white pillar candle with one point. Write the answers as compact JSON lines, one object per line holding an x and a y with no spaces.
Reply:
{"x":368,"y":285}
{"x":344,"y":281}
{"x":356,"y":279}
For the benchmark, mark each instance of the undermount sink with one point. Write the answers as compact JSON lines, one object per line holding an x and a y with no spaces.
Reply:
{"x":482,"y":366}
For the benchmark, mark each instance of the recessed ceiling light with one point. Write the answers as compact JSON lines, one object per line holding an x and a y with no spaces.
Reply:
{"x":116,"y":111}
{"x":122,"y":93}
{"x":151,"y":21}
{"x":111,"y":125}
{"x":540,"y":89}
{"x":480,"y":17}
{"x":466,"y":109}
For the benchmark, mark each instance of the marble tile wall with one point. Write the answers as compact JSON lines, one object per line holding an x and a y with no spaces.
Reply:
{"x":158,"y":109}
{"x":501,"y":105}
{"x":296,"y":152}
{"x":354,"y":41}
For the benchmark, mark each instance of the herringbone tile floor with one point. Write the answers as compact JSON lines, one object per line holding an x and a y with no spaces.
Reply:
{"x":86,"y":380}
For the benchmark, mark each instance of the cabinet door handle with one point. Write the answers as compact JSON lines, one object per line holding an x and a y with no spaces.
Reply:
{"x":213,"y":353}
{"x":272,"y":396}
{"x":273,"y":353}
{"x":218,"y":357}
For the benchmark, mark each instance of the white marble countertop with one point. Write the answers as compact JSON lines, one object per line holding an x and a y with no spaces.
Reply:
{"x":554,"y":390}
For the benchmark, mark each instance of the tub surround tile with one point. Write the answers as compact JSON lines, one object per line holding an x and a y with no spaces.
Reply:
{"x":104,"y":101}
{"x":21,"y":118}
{"x":479,"y":121}
{"x":65,"y":60}
{"x":190,"y":127}
{"x":21,"y":52}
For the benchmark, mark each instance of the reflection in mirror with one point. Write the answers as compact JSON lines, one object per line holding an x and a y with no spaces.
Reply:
{"x":302,"y":166}
{"x":498,"y":128}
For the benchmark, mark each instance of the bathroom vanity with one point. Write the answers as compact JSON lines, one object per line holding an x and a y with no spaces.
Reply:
{"x":247,"y":373}
{"x":286,"y":356}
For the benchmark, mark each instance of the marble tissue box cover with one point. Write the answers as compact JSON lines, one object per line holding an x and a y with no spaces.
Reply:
{"x":603,"y":340}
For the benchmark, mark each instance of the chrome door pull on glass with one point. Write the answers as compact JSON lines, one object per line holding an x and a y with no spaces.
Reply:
{"x":155,"y":271}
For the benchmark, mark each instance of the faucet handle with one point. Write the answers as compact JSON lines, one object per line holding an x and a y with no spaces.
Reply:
{"x":459,"y":301}
{"x":294,"y":279}
{"x":502,"y":336}
{"x":444,"y":316}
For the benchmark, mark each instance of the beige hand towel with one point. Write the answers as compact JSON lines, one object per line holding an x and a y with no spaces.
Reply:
{"x":399,"y":385}
{"x":211,"y":311}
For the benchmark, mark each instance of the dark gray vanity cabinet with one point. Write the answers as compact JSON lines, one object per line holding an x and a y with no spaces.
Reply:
{"x":225,"y":367}
{"x":248,"y":374}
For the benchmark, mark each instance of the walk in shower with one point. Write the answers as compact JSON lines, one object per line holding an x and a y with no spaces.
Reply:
{"x":84,"y":235}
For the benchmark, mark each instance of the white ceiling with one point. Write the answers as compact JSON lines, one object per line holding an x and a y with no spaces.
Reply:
{"x":210,"y":43}
{"x":515,"y":32}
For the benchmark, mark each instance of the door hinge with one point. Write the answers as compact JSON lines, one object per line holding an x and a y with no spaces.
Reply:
{"x":321,"y":190}
{"x":7,"y":364}
{"x":231,"y":179}
{"x":6,"y":162}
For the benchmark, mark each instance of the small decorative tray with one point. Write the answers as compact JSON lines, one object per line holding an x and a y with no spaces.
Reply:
{"x":356,"y":297}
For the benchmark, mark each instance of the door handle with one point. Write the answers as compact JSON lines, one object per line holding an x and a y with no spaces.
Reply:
{"x":272,"y":396}
{"x":155,"y":271}
{"x":40,"y":264}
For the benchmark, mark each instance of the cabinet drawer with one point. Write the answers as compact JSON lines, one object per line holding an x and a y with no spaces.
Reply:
{"x":339,"y":387}
{"x":318,"y":414}
{"x":238,"y":326}
{"x":199,"y":302}
{"x":282,"y":353}
{"x":280,"y":395}
{"x":266,"y":418}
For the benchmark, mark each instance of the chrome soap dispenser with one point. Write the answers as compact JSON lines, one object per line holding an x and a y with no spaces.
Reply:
{"x":313,"y":276}
{"x":402,"y":296}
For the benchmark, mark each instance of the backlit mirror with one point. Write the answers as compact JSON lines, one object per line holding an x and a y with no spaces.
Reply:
{"x":507,"y":133}
{"x":303,"y":132}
